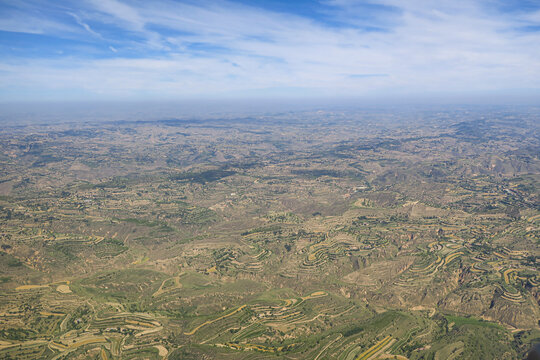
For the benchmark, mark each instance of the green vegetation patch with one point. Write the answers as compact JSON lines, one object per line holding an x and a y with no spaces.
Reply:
{"x":17,"y":334}
{"x":121,"y":285}
{"x":9,"y":260}
{"x":460,"y":320}
{"x":109,"y":248}
{"x":271,"y":228}
{"x":203,"y":177}
{"x":161,"y":225}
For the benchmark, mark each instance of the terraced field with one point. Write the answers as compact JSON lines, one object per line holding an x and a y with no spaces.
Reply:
{"x":350,"y":237}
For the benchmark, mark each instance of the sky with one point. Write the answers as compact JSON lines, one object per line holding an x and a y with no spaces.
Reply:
{"x":74,"y":50}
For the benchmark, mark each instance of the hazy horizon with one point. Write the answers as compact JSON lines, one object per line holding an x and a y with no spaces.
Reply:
{"x":25,"y":113}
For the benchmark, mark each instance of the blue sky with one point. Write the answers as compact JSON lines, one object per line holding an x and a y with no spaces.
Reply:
{"x":174,"y":50}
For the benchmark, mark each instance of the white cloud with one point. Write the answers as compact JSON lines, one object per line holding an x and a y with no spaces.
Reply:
{"x":123,"y":12}
{"x":223,"y":48}
{"x":32,"y":25}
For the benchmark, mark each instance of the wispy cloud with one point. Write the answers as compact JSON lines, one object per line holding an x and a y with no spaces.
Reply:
{"x":220,"y":48}
{"x":85,"y":25}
